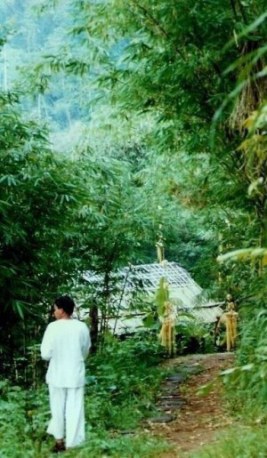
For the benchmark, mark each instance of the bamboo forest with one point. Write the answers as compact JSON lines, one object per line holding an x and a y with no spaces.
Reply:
{"x":133,"y":236}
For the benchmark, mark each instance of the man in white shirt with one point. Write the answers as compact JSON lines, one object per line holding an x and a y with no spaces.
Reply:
{"x":65,"y":345}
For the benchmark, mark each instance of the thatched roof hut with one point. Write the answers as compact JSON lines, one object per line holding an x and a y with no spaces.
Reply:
{"x":184,"y":292}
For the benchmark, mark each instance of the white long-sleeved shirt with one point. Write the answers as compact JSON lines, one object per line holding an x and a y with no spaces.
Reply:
{"x":65,"y":345}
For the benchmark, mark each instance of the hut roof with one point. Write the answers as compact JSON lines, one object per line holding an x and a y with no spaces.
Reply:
{"x":184,"y":291}
{"x":147,"y":277}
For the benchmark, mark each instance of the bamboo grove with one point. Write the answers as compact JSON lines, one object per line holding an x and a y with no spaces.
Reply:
{"x":168,"y":102}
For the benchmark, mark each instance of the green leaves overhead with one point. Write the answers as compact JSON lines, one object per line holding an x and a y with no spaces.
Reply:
{"x":244,"y":255}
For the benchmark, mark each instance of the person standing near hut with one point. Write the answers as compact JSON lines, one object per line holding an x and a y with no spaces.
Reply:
{"x":229,"y":320}
{"x":65,"y":344}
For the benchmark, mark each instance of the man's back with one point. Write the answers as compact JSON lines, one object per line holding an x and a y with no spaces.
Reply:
{"x":65,"y":344}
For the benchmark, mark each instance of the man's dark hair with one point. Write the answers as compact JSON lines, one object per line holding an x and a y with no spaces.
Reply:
{"x":66,"y":303}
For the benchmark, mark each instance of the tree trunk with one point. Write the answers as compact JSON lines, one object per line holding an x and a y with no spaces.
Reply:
{"x":94,"y":327}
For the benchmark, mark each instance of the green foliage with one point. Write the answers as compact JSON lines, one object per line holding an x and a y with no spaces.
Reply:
{"x":155,"y":92}
{"x":37,"y":201}
{"x":120,"y":392}
{"x":23,"y":415}
{"x":194,"y":337}
{"x":59,"y":216}
{"x":162,"y":296}
{"x":247,"y":378}
{"x":156,"y":63}
{"x":247,"y":441}
{"x":124,"y":381}
{"x":128,"y":446}
{"x":152,"y":76}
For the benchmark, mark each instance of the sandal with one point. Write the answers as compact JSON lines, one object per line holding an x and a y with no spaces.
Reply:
{"x":58,"y":447}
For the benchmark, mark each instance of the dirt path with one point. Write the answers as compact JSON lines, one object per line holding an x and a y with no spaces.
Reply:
{"x":190,"y":420}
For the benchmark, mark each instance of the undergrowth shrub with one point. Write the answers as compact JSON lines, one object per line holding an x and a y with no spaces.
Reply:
{"x":194,"y":337}
{"x":23,"y":417}
{"x":237,"y":442}
{"x":122,"y":382}
{"x":247,"y":379}
{"x":121,"y":385}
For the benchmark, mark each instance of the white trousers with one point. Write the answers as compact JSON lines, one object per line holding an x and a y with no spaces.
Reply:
{"x":67,"y":410}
